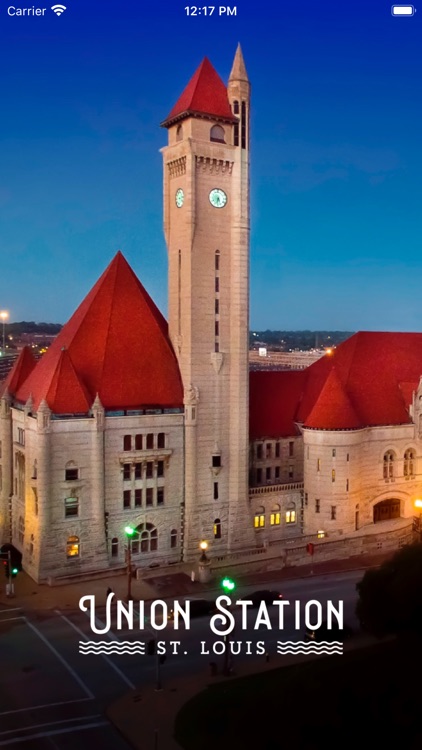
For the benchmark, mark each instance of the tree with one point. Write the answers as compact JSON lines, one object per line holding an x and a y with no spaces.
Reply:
{"x":390,"y":597}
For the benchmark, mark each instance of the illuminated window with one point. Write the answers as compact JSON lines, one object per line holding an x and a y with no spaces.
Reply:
{"x":388,"y":465}
{"x":115,"y":547}
{"x":217,"y":528}
{"x":127,"y":442}
{"x":173,"y":538}
{"x":72,"y":546}
{"x":333,"y":475}
{"x":71,"y":507}
{"x":275,"y":516}
{"x":217,"y":134}
{"x":259,"y":520}
{"x":291,"y":513}
{"x":408,"y":467}
{"x":321,"y":534}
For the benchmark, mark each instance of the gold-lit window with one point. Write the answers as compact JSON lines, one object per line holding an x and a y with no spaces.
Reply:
{"x":275,"y":519}
{"x":333,"y":475}
{"x":318,"y":464}
{"x":290,"y":516}
{"x":72,"y":546}
{"x":321,"y":534}
{"x":259,"y":520}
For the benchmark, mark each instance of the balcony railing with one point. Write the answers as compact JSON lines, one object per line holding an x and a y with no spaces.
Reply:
{"x":273,"y":488}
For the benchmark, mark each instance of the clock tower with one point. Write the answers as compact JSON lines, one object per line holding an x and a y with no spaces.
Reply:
{"x":206,"y":225}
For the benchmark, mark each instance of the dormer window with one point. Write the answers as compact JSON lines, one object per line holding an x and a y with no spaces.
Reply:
{"x":217,"y":134}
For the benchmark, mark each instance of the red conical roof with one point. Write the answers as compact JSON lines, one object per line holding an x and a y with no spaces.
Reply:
{"x":333,"y":409}
{"x":117,"y":346}
{"x":205,"y":94}
{"x":22,"y":368}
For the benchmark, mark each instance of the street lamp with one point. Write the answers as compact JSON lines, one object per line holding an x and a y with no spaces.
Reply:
{"x":203,"y":546}
{"x":4,"y":316}
{"x":418,"y":504}
{"x":129,"y":531}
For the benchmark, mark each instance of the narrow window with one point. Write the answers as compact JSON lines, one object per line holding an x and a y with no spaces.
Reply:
{"x":333,"y":475}
{"x":115,"y":547}
{"x":217,"y":528}
{"x":291,"y":472}
{"x":216,"y":461}
{"x":149,"y":495}
{"x":138,"y":442}
{"x":259,"y":519}
{"x":291,"y":515}
{"x":72,"y":546}
{"x":277,"y":450}
{"x":138,"y":498}
{"x":126,"y":498}
{"x":317,"y":506}
{"x":150,"y":441}
{"x":334,"y":452}
{"x":243,"y":124}
{"x":217,"y":284}
{"x":306,"y":499}
{"x":217,"y":328}
{"x":275,"y":516}
{"x":217,"y":260}
{"x":259,"y":451}
{"x":291,"y":448}
{"x":160,"y":468}
{"x":268,"y":450}
{"x":333,"y":512}
{"x":215,"y":490}
{"x":217,"y":306}
{"x":179,"y":133}
{"x":161,"y":440}
{"x":150,"y":469}
{"x":127,"y":443}
{"x":268,"y":474}
{"x":126,"y":472}
{"x":318,"y":464}
{"x":259,"y":476}
{"x":235,"y":107}
{"x":347,"y":457}
{"x":277,"y":472}
{"x":173,"y":538}
{"x":160,"y":495}
{"x":138,"y":471}
{"x":347,"y":485}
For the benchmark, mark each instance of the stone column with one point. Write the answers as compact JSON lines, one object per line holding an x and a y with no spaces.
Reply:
{"x":6,"y":439}
{"x":98,"y":539}
{"x":190,"y":531}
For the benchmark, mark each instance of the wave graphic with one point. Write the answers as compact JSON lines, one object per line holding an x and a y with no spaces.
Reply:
{"x":111,"y":647}
{"x":309,"y":647}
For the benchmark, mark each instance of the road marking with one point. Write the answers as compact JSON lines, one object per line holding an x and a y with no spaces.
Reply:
{"x":54,"y":732}
{"x":112,"y":636}
{"x":50,"y":724}
{"x":12,"y":609}
{"x":43,"y":705}
{"x":63,"y":661}
{"x":9,"y":619}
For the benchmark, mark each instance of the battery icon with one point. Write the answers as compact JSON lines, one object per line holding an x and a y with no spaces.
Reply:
{"x":402,"y":10}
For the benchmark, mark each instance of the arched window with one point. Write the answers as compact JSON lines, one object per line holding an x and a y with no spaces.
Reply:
{"x":217,"y":528}
{"x":291,"y":513}
{"x":179,"y":133}
{"x":388,"y":465}
{"x":72,"y":546}
{"x":275,"y":516}
{"x":259,"y":519}
{"x":217,"y":134}
{"x":71,"y":472}
{"x":115,"y":547}
{"x":173,"y":538}
{"x":409,"y":463}
{"x":147,"y":538}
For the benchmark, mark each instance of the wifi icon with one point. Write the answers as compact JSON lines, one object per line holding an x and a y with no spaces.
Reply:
{"x":58,"y":9}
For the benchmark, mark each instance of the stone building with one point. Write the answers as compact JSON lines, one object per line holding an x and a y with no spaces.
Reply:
{"x":128,"y":421}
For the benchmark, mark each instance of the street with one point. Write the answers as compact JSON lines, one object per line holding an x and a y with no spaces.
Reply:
{"x":52,"y":696}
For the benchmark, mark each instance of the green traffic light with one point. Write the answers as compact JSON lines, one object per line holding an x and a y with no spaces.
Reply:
{"x":15,"y":571}
{"x":228,"y":584}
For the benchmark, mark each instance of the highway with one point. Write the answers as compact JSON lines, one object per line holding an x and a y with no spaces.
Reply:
{"x":53,"y":696}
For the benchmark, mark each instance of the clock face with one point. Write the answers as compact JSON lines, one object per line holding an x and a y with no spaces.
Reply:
{"x":180,"y":197}
{"x":218,"y":198}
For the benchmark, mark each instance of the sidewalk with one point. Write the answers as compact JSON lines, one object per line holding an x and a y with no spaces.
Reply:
{"x":38,"y":597}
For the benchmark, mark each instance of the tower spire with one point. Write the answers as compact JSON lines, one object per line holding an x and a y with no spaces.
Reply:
{"x":238,"y":72}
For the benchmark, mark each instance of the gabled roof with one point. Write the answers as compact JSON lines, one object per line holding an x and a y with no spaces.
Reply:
{"x":116,"y":345}
{"x":20,"y":371}
{"x":205,"y":95}
{"x":333,"y":409}
{"x":375,"y":376}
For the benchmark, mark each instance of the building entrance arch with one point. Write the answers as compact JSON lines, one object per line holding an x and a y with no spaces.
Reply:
{"x":387,"y":509}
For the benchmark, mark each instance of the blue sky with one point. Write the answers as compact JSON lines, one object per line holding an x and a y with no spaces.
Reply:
{"x":336,"y":157}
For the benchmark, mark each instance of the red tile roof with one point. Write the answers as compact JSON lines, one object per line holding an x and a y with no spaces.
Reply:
{"x":373,"y":381}
{"x":116,"y":345}
{"x":22,"y":368}
{"x":205,"y":94}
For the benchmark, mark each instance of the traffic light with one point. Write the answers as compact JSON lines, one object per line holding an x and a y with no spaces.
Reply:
{"x":15,"y":571}
{"x":151,"y":647}
{"x":6,"y":568}
{"x":228,"y":584}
